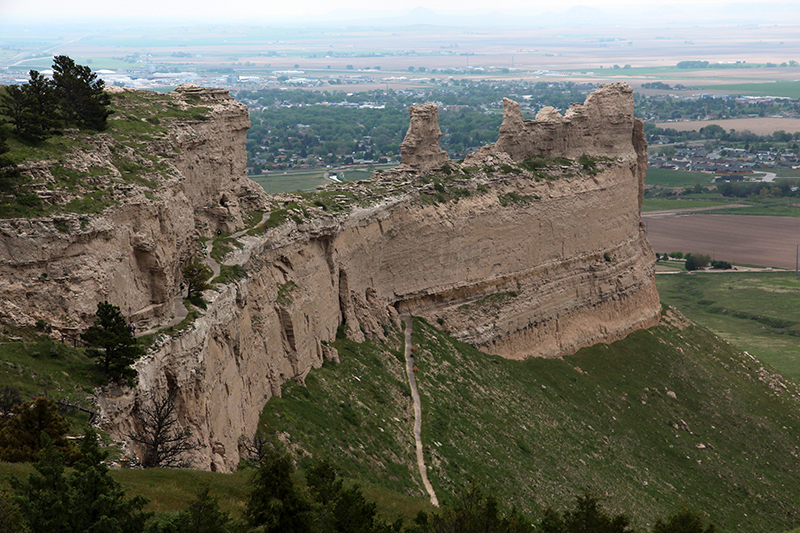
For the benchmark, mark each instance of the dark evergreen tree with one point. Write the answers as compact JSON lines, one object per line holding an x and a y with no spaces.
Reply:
{"x":339,"y":509}
{"x":9,"y":399}
{"x":470,"y":512}
{"x":111,"y":341}
{"x":685,"y":521}
{"x":43,"y":106}
{"x":82,"y":98}
{"x":11,"y":519}
{"x":88,"y":500}
{"x":276,"y":504}
{"x":31,"y":108}
{"x":9,"y":173}
{"x":203,"y":516}
{"x":20,"y":437}
{"x":196,"y":275}
{"x":43,"y":498}
{"x":14,"y":105}
{"x":588,"y":517}
{"x":97,"y":501}
{"x":552,"y":522}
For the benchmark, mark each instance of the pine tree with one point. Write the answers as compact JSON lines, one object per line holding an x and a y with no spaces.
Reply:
{"x":685,"y":521}
{"x":276,"y":504}
{"x":82,"y":97}
{"x":111,"y":341}
{"x":20,"y":437}
{"x":203,"y":515}
{"x":9,"y":173}
{"x":588,"y":517}
{"x":11,"y":519}
{"x":43,"y":498}
{"x":31,"y":108}
{"x":196,"y":275}
{"x":97,"y":501}
{"x":88,"y":500}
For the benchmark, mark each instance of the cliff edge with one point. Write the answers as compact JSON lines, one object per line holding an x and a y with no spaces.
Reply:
{"x":534,"y":252}
{"x":532,"y":247}
{"x":123,"y":210}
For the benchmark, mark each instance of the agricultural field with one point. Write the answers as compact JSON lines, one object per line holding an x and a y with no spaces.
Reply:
{"x":759,"y":125}
{"x":651,"y":205}
{"x":756,"y":311}
{"x":676,"y":178}
{"x":308,"y":180}
{"x":600,"y":52}
{"x":752,"y":240}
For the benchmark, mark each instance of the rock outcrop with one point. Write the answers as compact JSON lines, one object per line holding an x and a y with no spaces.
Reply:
{"x":420,"y":149}
{"x":527,"y":264}
{"x":520,"y":260}
{"x":190,"y":182}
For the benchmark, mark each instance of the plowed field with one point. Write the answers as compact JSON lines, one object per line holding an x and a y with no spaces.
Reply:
{"x":754,"y":240}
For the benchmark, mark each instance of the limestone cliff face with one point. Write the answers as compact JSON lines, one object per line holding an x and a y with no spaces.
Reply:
{"x":191,"y":182}
{"x":519,"y":263}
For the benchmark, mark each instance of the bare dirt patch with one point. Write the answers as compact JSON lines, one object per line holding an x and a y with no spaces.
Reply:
{"x":759,"y":125}
{"x":753,"y":240}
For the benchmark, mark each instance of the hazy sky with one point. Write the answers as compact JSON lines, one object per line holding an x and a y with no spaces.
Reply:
{"x":265,"y":10}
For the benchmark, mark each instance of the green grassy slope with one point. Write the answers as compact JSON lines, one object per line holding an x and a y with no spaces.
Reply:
{"x":534,"y":432}
{"x":676,"y":178}
{"x":42,"y":367}
{"x":663,"y":417}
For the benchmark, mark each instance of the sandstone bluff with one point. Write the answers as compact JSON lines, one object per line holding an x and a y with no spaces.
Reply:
{"x":532,"y":246}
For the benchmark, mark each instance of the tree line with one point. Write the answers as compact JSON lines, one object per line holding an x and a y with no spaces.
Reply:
{"x":74,"y":97}
{"x":88,"y":499}
{"x":779,"y":189}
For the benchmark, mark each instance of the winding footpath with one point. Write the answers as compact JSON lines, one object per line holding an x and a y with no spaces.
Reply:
{"x":423,"y":471}
{"x":180,"y":312}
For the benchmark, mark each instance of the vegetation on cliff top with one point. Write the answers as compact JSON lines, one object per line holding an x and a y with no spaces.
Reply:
{"x":79,"y":170}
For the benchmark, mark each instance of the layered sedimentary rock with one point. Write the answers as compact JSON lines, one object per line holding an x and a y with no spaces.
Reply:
{"x":420,"y":149}
{"x":56,"y":269}
{"x":519,"y":259}
{"x":524,"y":265}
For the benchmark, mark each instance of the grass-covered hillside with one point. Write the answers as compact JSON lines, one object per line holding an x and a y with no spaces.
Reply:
{"x":669,"y":415}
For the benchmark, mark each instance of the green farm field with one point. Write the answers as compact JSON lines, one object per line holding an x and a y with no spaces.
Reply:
{"x":787,"y":89}
{"x":308,"y":180}
{"x":676,"y":178}
{"x":666,"y":205}
{"x":756,"y":311}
